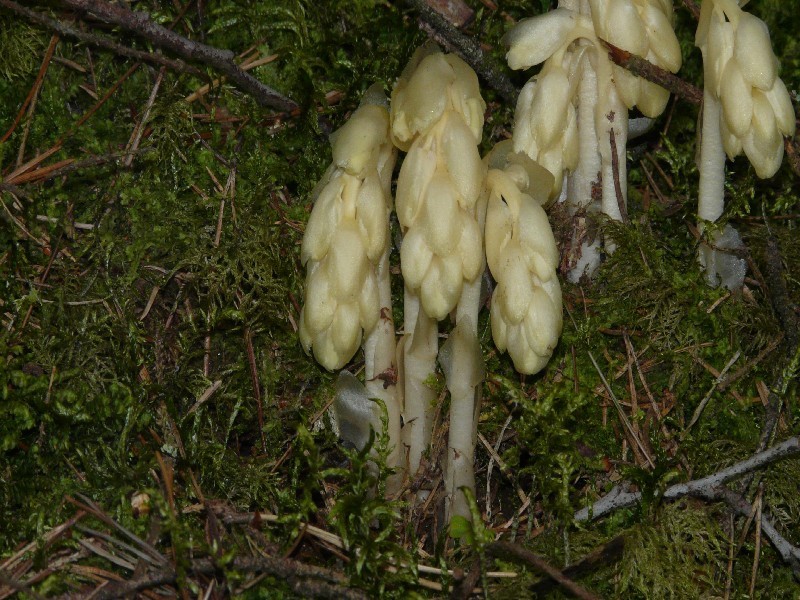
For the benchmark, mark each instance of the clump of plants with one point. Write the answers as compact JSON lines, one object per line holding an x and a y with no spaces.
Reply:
{"x":162,"y":427}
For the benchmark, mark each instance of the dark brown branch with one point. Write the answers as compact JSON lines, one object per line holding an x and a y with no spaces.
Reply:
{"x":603,"y":556}
{"x":507,"y":550}
{"x":306,"y":581}
{"x":100,"y":41}
{"x":464,"y":587}
{"x":647,"y":70}
{"x":792,"y":154}
{"x":469,"y":49}
{"x":161,"y":37}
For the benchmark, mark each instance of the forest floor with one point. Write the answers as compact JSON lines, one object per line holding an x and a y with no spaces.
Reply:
{"x":163,"y":432}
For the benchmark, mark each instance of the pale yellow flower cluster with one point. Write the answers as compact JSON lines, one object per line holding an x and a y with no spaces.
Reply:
{"x":568,"y":40}
{"x":741,"y":73}
{"x":437,"y":116}
{"x":522,"y":256}
{"x":643,"y":28}
{"x":346,"y":237}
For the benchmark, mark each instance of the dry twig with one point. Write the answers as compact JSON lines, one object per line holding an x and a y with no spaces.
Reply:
{"x":711,"y":489}
{"x":142,"y":25}
{"x":468,"y":48}
{"x":100,"y":41}
{"x":518,"y":553}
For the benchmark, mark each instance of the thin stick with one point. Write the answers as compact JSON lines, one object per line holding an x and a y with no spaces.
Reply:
{"x":619,"y":497}
{"x":99,"y":41}
{"x":757,"y":553}
{"x":37,"y":87}
{"x":720,"y":378}
{"x":513,"y":551}
{"x":138,"y":131}
{"x":623,"y":209}
{"x":623,"y":417}
{"x":141,"y":24}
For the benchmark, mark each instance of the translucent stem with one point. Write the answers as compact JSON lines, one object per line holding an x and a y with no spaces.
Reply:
{"x":380,"y":368}
{"x":420,"y":345}
{"x":462,"y":363}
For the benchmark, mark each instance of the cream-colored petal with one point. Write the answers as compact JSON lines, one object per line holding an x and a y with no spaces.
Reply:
{"x":497,"y":233}
{"x":369,"y":304}
{"x":542,"y":324}
{"x":320,"y":303}
{"x":470,"y":248}
{"x":355,"y":144}
{"x":652,"y":99}
{"x":570,"y":148}
{"x":387,"y":157}
{"x":731,"y":143}
{"x":625,"y":28}
{"x":553,"y":161}
{"x":460,"y":156}
{"x":465,"y":95}
{"x":415,"y":174}
{"x":781,"y":103}
{"x":514,"y":284}
{"x":345,"y":330}
{"x":415,"y":257}
{"x":346,"y":262}
{"x":322,"y":222}
{"x":763,"y":144}
{"x":423,"y":100}
{"x":661,"y":37}
{"x":523,"y":140}
{"x":737,"y":99}
{"x":549,"y":107}
{"x":441,"y":286}
{"x":325,"y":352}
{"x":628,"y":85}
{"x":372,"y":218}
{"x":535,"y":233}
{"x":533,"y":40}
{"x":499,"y":325}
{"x":752,"y":51}
{"x":440,"y":215}
{"x":718,"y":53}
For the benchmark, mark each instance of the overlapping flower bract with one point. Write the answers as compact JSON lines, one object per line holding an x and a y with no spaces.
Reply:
{"x":437,"y":115}
{"x":522,"y":256}
{"x":346,"y":236}
{"x":643,"y":28}
{"x":741,"y":71}
{"x":565,"y":40}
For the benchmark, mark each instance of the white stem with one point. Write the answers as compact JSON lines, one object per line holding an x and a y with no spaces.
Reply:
{"x":587,"y":172}
{"x":613,"y":118}
{"x":586,"y":253}
{"x":463,"y":366}
{"x":420,"y":347}
{"x":380,"y":367}
{"x":712,"y":162}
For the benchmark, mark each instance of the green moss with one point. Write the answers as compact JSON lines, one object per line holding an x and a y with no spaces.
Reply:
{"x":681,"y":555}
{"x":91,"y":387}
